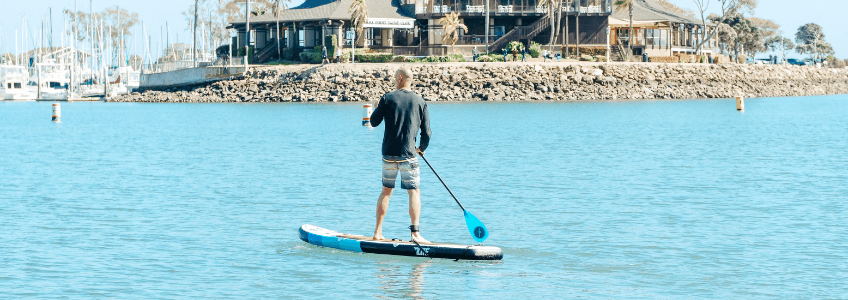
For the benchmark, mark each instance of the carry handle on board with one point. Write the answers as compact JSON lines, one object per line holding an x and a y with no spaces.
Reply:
{"x":475,"y":227}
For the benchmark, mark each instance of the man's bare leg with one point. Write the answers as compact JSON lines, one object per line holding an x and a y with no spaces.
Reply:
{"x":415,"y":212}
{"x":382,"y":207}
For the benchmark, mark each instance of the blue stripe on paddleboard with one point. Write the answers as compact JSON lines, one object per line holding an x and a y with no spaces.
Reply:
{"x":349,"y":245}
{"x":330,"y":241}
{"x":334,"y":242}
{"x":315,"y":239}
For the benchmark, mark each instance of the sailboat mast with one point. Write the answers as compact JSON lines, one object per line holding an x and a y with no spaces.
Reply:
{"x":51,"y":32}
{"x":194,"y":38}
{"x":73,"y":56}
{"x":91,"y":32}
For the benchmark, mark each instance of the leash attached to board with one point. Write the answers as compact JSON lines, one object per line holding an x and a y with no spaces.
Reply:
{"x":475,"y":227}
{"x":414,"y":229}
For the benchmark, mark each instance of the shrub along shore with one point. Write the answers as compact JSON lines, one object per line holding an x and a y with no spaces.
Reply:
{"x":567,"y":81}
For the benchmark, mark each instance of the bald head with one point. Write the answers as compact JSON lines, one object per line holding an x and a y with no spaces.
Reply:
{"x":403,"y":77}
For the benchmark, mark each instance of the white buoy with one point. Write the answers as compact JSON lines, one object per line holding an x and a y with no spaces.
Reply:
{"x":57,"y":112}
{"x":740,"y":103}
{"x":366,"y":119}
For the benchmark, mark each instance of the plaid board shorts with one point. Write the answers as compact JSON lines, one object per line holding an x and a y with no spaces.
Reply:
{"x":410,"y":178}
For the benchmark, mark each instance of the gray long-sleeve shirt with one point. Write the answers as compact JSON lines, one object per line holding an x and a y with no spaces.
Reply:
{"x":405,"y":112}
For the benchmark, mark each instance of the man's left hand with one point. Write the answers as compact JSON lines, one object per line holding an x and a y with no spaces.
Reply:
{"x":419,"y":151}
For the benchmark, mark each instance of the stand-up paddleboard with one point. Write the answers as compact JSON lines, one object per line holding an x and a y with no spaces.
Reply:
{"x":324,"y":237}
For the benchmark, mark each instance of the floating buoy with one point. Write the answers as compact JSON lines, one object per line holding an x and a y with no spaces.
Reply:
{"x":57,"y":112}
{"x":366,"y":119}
{"x":740,"y":103}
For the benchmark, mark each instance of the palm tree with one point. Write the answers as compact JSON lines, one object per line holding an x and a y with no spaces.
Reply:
{"x":279,"y":6}
{"x":553,"y":14}
{"x":358,"y":16}
{"x":451,"y":25}
{"x":628,"y":5}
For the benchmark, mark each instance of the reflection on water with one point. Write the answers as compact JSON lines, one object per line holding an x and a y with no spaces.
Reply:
{"x":402,"y":281}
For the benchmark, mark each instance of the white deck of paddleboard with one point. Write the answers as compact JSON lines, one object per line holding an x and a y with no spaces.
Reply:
{"x":331,"y":233}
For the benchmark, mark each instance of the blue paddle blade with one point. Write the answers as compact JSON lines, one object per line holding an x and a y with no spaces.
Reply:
{"x":476,"y":228}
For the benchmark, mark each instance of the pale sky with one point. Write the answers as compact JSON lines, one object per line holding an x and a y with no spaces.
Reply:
{"x":789,"y":14}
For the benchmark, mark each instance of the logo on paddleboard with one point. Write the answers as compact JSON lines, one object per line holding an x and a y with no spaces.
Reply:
{"x":421,"y":251}
{"x":479,"y":232}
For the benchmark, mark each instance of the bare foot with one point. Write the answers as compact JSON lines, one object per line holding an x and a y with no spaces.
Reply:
{"x":378,"y":237}
{"x":419,"y":239}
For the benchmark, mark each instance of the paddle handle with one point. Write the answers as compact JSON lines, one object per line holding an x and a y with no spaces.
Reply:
{"x":443,"y":182}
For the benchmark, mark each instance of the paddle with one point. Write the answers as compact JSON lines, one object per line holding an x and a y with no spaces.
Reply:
{"x":475,"y":227}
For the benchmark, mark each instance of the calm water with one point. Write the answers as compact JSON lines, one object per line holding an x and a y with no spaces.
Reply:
{"x":681,"y":199}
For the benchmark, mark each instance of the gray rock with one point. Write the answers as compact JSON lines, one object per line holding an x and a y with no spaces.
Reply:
{"x":492,"y":82}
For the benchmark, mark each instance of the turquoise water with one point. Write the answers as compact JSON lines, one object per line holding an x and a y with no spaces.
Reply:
{"x":653,"y":199}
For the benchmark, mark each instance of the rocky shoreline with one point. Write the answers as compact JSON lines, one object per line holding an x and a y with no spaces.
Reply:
{"x":567,"y":81}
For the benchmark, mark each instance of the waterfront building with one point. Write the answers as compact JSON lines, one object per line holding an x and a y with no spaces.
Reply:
{"x":411,"y":27}
{"x":659,"y":32}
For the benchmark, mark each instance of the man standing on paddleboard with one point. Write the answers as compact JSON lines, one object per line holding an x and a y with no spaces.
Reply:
{"x":404,"y":112}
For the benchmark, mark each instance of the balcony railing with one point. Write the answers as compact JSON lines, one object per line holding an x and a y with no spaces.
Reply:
{"x":510,"y":9}
{"x":475,"y":8}
{"x":595,"y":9}
{"x":443,"y":9}
{"x":505,"y":9}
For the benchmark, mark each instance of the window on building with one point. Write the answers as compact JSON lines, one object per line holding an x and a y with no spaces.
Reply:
{"x":317,"y":36}
{"x":373,"y":36}
{"x":498,"y":30}
{"x":349,"y":35}
{"x":17,"y":85}
{"x":301,"y":38}
{"x":654,"y":37}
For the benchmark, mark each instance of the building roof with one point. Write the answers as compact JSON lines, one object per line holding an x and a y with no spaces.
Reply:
{"x":652,"y":11}
{"x":331,"y":10}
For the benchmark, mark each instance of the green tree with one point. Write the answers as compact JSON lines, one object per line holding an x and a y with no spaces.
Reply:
{"x":747,"y":38}
{"x":808,"y":37}
{"x":728,"y":8}
{"x":833,"y":62}
{"x":780,"y":44}
{"x":535,"y":49}
{"x":514,"y":45}
{"x":767,"y":28}
{"x":824,"y":50}
{"x":726,"y":37}
{"x":117,"y":24}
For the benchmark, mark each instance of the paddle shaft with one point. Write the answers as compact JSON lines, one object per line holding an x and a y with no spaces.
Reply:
{"x":443,"y":182}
